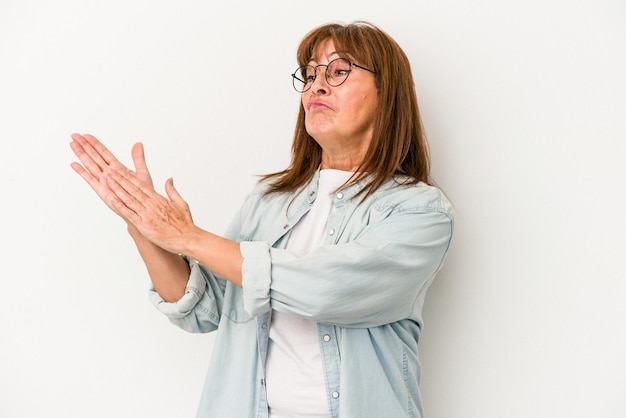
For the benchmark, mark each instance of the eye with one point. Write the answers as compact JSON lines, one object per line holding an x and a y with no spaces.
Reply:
{"x":339,"y":68}
{"x":309,"y":74}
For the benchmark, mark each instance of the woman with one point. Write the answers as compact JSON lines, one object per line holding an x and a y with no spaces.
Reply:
{"x":317,"y":288}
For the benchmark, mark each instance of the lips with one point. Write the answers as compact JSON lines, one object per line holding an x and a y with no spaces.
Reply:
{"x":316,"y":104}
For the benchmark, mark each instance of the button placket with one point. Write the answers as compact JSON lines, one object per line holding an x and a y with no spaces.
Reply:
{"x":339,"y":203}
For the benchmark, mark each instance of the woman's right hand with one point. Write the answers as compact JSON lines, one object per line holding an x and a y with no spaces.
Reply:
{"x":96,"y":161}
{"x":168,"y":271}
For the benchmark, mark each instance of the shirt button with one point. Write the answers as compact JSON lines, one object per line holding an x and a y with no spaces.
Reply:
{"x":264,"y":326}
{"x":339,"y":195}
{"x":285,"y":226}
{"x":335,"y":395}
{"x":327,"y":338}
{"x":331,"y":232}
{"x":262,"y":382}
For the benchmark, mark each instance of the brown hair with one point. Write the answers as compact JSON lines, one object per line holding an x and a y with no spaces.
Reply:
{"x":398,"y":145}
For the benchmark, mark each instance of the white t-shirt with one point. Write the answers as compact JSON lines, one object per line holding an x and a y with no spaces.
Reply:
{"x":293,"y":370}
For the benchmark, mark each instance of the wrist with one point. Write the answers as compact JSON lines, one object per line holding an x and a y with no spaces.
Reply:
{"x":134,"y":232}
{"x":193,"y":242}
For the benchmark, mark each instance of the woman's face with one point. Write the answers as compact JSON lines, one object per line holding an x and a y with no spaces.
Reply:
{"x":340,"y":118}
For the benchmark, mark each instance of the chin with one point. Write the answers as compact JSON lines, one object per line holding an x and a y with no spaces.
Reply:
{"x":319,"y":130}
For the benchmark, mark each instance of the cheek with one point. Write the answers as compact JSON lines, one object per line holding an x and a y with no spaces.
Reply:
{"x":370,"y":104}
{"x":365,"y":106}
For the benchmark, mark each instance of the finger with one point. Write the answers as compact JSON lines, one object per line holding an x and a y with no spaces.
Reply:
{"x":139,"y":161}
{"x":88,"y":155}
{"x":141,"y":195}
{"x":90,"y":171}
{"x":129,"y":182}
{"x":91,"y":180}
{"x":175,"y":197}
{"x":78,"y":147}
{"x":102,"y":151}
{"x":124,"y":192}
{"x":125,"y":212}
{"x":172,"y":193}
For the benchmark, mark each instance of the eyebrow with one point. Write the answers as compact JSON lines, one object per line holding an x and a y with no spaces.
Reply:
{"x":312,"y":59}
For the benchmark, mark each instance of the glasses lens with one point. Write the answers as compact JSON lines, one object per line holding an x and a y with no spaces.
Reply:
{"x":337,"y":71}
{"x":303,"y":77}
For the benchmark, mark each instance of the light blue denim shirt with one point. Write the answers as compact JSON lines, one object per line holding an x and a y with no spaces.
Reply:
{"x":365,"y":287}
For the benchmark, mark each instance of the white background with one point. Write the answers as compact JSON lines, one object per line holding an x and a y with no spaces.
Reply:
{"x":524,"y":106}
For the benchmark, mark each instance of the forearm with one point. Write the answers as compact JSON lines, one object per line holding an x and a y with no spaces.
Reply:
{"x":220,"y":255}
{"x":168,"y":272}
{"x":375,"y":279}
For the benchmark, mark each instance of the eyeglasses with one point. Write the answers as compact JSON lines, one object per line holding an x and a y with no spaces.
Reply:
{"x":337,"y":72}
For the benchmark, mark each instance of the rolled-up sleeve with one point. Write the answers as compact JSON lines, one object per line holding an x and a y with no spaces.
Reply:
{"x":377,"y":279}
{"x":193,"y":293}
{"x":374,"y":275}
{"x":199,"y":310}
{"x":257,"y":276}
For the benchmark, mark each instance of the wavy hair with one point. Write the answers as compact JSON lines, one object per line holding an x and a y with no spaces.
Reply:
{"x":398,"y":145}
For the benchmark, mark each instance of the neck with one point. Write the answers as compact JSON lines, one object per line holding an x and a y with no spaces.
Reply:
{"x":341,"y":162}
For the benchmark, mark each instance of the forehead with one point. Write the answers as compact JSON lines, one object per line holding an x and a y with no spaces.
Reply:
{"x":325,"y":50}
{"x":329,"y":49}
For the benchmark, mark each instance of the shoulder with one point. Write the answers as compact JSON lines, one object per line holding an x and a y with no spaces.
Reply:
{"x":420,"y":197}
{"x":259,"y":193}
{"x":258,"y":199}
{"x":259,"y":190}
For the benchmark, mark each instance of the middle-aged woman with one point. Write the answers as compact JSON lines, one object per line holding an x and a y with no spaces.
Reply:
{"x":316,"y":290}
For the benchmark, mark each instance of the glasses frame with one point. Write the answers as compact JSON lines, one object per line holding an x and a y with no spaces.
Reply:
{"x":296,"y":79}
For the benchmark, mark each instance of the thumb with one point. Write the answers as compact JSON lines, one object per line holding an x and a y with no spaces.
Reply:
{"x":173,"y":194}
{"x":139,"y":161}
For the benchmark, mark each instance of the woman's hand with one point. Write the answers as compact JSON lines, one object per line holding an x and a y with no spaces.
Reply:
{"x":131,"y":194}
{"x":97,"y":160}
{"x":166,"y":221}
{"x":161,"y":226}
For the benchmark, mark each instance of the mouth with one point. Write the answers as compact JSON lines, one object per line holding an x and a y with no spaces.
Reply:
{"x":313,"y":105}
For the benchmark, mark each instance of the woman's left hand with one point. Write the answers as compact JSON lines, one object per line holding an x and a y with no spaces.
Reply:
{"x":166,"y":221}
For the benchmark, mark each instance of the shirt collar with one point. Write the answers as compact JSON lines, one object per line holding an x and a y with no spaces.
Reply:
{"x":348,"y":192}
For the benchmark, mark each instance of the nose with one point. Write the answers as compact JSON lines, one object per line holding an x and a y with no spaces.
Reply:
{"x":320,"y":85}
